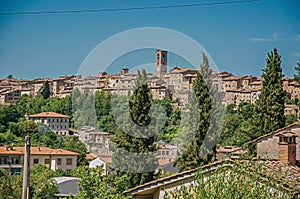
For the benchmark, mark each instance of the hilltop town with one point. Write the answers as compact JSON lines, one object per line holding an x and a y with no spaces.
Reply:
{"x":175,"y":84}
{"x":70,"y":146}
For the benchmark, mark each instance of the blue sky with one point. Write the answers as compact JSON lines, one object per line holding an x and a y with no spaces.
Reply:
{"x":237,"y":36}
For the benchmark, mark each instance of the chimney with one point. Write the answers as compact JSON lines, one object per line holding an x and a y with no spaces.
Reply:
{"x":287,"y":148}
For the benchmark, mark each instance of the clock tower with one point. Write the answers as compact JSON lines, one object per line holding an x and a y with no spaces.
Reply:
{"x":161,"y":58}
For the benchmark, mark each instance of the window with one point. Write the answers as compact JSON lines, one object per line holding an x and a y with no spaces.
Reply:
{"x":35,"y":161}
{"x":47,"y":161}
{"x":58,"y":161}
{"x":69,"y":161}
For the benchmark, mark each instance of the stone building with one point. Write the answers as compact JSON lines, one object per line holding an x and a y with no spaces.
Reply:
{"x":58,"y":123}
{"x":97,"y":142}
{"x":281,"y":144}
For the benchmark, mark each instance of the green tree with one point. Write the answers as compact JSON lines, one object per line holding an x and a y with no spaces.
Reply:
{"x":236,"y":124}
{"x":237,"y":181}
{"x":93,"y":184}
{"x":46,"y":90}
{"x":10,"y":185}
{"x":269,"y":108}
{"x":10,"y":77}
{"x":297,"y":75}
{"x":75,"y":145}
{"x":134,"y":144}
{"x":8,"y":113}
{"x":42,"y":187}
{"x":201,"y":108}
{"x":22,"y":104}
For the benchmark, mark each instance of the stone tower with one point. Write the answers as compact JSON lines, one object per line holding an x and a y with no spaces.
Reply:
{"x":161,"y":58}
{"x":287,"y":148}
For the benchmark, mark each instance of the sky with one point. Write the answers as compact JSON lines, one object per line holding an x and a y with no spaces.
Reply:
{"x":236,"y":36}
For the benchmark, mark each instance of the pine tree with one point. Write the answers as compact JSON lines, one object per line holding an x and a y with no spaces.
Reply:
{"x":46,"y":90}
{"x":133,"y":156}
{"x":200,"y":108}
{"x":269,"y":108}
{"x":297,"y":75}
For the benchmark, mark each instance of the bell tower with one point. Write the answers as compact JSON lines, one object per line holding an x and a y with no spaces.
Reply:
{"x":161,"y":58}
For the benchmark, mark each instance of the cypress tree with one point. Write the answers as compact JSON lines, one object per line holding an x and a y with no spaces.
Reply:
{"x":46,"y":90}
{"x":200,"y":107}
{"x":297,"y":75}
{"x":134,"y":148}
{"x":269,"y":108}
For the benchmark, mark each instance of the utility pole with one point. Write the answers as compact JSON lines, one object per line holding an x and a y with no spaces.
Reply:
{"x":26,"y":171}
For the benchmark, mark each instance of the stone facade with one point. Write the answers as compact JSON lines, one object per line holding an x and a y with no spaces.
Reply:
{"x":267,"y":146}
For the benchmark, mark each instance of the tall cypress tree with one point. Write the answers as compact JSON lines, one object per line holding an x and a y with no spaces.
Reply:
{"x":46,"y":90}
{"x":133,"y":156}
{"x":297,"y":75}
{"x":269,"y":108}
{"x":201,"y":108}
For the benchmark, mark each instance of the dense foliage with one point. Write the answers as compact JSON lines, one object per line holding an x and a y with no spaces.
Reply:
{"x":41,"y":187}
{"x":236,"y":125}
{"x":237,"y":181}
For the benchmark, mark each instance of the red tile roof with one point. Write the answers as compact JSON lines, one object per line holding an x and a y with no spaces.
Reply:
{"x":4,"y":150}
{"x":49,"y":114}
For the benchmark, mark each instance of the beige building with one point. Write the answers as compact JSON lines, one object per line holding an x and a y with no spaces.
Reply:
{"x":12,"y":158}
{"x":10,"y":96}
{"x":63,"y":86}
{"x":268,"y":146}
{"x":97,"y":142}
{"x":58,"y":123}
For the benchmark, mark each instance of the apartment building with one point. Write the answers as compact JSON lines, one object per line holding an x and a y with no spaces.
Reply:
{"x":63,"y":86}
{"x":12,"y":158}
{"x":9,"y":96}
{"x":58,"y":123}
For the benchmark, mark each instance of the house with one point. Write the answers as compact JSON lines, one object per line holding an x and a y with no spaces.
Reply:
{"x":12,"y":158}
{"x":58,"y":123}
{"x":67,"y":186}
{"x":166,"y":151}
{"x":270,"y":145}
{"x":97,"y":142}
{"x":104,"y":161}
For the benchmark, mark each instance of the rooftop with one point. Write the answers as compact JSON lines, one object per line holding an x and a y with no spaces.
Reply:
{"x":49,"y":114}
{"x":6,"y":150}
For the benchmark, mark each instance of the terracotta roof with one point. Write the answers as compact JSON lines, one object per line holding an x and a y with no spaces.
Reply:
{"x":90,"y":156}
{"x":289,"y":175}
{"x":49,"y":114}
{"x":34,"y":151}
{"x":273,"y":133}
{"x":256,"y":83}
{"x":106,"y":159}
{"x":163,"y":162}
{"x":233,"y":78}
